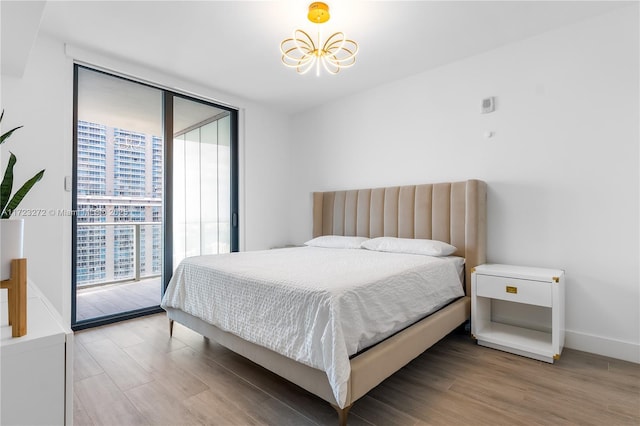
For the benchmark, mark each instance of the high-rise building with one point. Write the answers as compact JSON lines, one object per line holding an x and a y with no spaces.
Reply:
{"x":119,"y":176}
{"x":91,"y":180}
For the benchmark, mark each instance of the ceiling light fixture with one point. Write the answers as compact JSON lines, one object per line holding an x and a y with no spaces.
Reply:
{"x":301,"y":53}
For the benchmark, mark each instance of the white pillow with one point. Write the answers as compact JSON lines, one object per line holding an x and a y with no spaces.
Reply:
{"x":336,"y":241}
{"x":410,"y":246}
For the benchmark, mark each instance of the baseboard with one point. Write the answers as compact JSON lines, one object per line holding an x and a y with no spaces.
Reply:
{"x":626,"y":351}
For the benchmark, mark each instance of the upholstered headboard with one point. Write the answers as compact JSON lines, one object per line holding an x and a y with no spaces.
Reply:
{"x":453,"y":212}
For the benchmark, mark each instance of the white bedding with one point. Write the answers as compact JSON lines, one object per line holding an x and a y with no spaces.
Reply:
{"x":315,"y":305}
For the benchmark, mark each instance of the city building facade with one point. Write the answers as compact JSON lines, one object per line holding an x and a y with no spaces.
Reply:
{"x":119,"y":215}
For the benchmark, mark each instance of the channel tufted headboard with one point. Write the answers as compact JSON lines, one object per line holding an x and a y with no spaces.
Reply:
{"x":453,"y":212}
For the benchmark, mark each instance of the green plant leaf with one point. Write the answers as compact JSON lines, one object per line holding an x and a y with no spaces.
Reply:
{"x":7,"y":184}
{"x":7,"y":134}
{"x":8,"y":204}
{"x":19,"y":195}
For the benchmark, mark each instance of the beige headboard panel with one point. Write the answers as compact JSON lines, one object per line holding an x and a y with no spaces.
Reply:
{"x":451,"y":212}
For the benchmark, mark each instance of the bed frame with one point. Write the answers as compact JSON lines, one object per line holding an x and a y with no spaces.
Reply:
{"x":451,"y":212}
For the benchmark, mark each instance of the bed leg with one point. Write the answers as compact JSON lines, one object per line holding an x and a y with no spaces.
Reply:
{"x":342,"y":414}
{"x":170,"y":328}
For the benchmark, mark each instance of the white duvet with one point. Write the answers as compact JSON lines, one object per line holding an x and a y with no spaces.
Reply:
{"x":315,"y":305}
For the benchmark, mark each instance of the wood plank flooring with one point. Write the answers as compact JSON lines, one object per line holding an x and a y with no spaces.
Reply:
{"x":132,"y":373}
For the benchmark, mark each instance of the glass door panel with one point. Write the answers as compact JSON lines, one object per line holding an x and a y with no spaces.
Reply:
{"x":118,"y":190}
{"x":130,"y":230}
{"x":201,"y":180}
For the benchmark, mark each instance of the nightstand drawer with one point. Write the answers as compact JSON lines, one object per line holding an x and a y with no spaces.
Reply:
{"x":514,"y":290}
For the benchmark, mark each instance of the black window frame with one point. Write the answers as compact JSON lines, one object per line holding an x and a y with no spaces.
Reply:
{"x":167,"y":121}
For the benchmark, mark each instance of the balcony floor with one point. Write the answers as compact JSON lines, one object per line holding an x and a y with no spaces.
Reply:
{"x":94,"y":302}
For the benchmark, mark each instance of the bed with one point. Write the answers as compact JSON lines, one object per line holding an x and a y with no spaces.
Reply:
{"x":454,"y":213}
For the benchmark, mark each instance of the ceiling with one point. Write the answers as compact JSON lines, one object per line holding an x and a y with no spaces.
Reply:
{"x":234,"y":46}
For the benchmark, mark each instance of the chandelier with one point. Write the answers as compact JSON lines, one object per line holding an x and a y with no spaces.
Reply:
{"x":300,"y":51}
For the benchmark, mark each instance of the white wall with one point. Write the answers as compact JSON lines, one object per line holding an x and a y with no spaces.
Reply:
{"x":42,"y":101}
{"x":562,"y":168}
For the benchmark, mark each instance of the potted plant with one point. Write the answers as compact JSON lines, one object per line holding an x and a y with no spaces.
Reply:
{"x":11,"y":230}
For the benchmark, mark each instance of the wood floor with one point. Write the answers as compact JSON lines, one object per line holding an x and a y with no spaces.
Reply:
{"x":132,"y":373}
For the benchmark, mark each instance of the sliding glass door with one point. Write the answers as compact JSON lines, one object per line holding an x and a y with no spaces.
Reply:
{"x":155,"y":180}
{"x":201,"y":179}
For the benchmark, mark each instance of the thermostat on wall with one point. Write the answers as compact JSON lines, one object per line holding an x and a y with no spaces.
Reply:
{"x":488,"y":105}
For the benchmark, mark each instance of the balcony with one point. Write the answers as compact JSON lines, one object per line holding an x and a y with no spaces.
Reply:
{"x":108,"y":299}
{"x":118,"y":267}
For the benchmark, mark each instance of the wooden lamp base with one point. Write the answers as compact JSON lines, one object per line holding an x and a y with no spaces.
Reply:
{"x":17,"y":286}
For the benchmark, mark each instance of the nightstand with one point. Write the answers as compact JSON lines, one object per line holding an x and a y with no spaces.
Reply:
{"x":518,"y":285}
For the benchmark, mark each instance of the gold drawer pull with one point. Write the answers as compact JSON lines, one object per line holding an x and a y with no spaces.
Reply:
{"x":511,"y":289}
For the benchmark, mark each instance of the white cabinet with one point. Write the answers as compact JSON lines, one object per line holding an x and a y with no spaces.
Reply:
{"x":518,"y":285}
{"x":36,"y":369}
